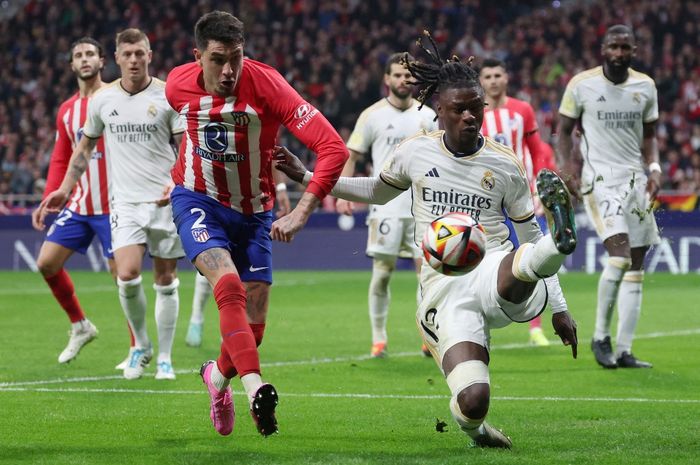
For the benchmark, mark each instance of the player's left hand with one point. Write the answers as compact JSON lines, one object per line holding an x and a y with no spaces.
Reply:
{"x":653,"y":185}
{"x":285,"y":228}
{"x":289,"y":164}
{"x":565,"y":328}
{"x":284,"y":206}
{"x":165,"y":199}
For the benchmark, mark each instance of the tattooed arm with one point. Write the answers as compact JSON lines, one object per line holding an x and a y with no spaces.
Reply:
{"x":79,"y":161}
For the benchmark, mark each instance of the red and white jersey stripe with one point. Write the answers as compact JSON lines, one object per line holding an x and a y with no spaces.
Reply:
{"x":514,"y":124}
{"x":91,"y":194}
{"x":227,"y":149}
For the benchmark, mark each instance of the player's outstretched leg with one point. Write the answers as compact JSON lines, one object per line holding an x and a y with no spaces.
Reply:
{"x":221,"y":412}
{"x":202,"y":291}
{"x":558,"y":210}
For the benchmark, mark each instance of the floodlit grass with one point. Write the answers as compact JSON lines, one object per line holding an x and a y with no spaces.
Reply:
{"x":337,"y":406}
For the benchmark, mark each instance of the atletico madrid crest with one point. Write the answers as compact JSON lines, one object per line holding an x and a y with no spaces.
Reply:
{"x":200,"y":234}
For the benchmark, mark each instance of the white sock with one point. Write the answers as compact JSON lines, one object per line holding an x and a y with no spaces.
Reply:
{"x":218,"y":379}
{"x":608,"y":285}
{"x":251,"y":384}
{"x":167,"y":307}
{"x":79,"y":325}
{"x":202,"y":291}
{"x":536,"y":261}
{"x":379,"y":299}
{"x":472,"y":427}
{"x":133,"y":301}
{"x":629,"y":307}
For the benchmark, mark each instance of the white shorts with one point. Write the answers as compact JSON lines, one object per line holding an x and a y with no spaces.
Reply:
{"x":622,"y":209}
{"x":392,"y":236}
{"x":465,"y":308}
{"x":145,"y":223}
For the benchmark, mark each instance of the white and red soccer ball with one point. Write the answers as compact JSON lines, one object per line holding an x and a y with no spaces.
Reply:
{"x":454,"y":244}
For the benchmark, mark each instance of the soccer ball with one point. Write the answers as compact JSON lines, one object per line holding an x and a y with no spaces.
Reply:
{"x":454,"y":244}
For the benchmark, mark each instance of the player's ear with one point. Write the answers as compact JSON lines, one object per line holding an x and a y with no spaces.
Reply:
{"x":197,"y":56}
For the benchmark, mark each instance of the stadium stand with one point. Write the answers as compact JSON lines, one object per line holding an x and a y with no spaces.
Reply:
{"x":332,"y":53}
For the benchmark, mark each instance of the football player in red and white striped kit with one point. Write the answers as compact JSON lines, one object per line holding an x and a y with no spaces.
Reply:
{"x":222,"y":203}
{"x":512,"y":123}
{"x":86,"y":213}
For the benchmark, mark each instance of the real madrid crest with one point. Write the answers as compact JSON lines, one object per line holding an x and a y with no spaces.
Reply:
{"x":152,"y":112}
{"x":636,"y":97}
{"x":488,"y":182}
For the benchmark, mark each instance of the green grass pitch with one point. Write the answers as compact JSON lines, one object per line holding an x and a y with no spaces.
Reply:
{"x":336,"y":405}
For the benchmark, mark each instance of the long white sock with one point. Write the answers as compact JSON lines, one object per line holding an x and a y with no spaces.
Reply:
{"x":133,"y":300}
{"x":218,"y":379}
{"x":251,"y":384}
{"x":167,"y":307}
{"x":202,"y":291}
{"x":379,"y":299}
{"x":472,"y":427}
{"x":608,"y":286}
{"x":536,"y":261}
{"x":629,"y":307}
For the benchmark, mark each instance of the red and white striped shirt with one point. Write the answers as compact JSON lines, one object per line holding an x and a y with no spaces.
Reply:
{"x":91,"y":194}
{"x":514,"y":125}
{"x":227,"y":150}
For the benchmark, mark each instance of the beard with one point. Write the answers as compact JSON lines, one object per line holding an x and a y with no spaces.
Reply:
{"x":400,"y":93}
{"x":87,"y":75}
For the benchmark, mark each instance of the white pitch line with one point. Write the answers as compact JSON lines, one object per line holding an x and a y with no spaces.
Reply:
{"x":318,"y":361}
{"x":108,"y":288}
{"x":357,"y":395}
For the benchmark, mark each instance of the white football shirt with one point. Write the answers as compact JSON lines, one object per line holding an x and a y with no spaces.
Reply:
{"x":137,"y":130}
{"x":482,"y":184}
{"x":378,"y":130}
{"x":612,"y":117}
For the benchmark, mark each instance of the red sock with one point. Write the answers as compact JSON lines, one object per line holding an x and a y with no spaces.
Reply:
{"x":62,"y":287}
{"x":536,"y":322}
{"x":238,"y":350}
{"x":258,"y":331}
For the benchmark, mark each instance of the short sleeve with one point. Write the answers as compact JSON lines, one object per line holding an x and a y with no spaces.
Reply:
{"x":177,"y":123}
{"x":651,"y":109}
{"x":396,"y":168}
{"x":518,"y":199}
{"x":94,"y":126}
{"x":570,"y":105}
{"x":360,"y":140}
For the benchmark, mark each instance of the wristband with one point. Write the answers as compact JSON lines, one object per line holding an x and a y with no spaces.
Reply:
{"x":281,"y":187}
{"x":654,"y":167}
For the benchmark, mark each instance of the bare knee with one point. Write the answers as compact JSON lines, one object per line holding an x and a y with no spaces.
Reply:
{"x":48,"y":268}
{"x":474,"y":401}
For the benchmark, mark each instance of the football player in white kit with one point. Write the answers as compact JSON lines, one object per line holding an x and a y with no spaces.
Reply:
{"x":138,"y":125}
{"x":457,"y":169}
{"x":378,"y":130}
{"x":617,"y":109}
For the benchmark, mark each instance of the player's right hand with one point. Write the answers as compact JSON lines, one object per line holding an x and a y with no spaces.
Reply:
{"x":344,"y":207}
{"x":289,"y":164}
{"x":565,"y":328}
{"x":53,"y":203}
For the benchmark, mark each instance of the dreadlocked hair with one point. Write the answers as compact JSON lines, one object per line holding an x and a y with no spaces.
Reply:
{"x":438,"y":73}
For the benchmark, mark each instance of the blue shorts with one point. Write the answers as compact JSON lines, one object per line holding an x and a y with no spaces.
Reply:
{"x":203,"y":223}
{"x":513,"y":238}
{"x":75,"y":232}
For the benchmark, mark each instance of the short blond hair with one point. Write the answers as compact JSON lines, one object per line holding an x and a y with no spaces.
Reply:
{"x":132,"y":36}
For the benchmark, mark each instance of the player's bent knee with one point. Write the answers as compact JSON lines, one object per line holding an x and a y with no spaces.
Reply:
{"x":47,"y":268}
{"x":469,"y":385}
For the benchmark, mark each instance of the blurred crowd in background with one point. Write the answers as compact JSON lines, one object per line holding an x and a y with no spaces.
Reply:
{"x":333,"y":53}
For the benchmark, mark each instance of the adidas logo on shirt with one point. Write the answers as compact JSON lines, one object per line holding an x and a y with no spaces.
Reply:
{"x":601,"y":99}
{"x":433,"y":173}
{"x":114,"y":113}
